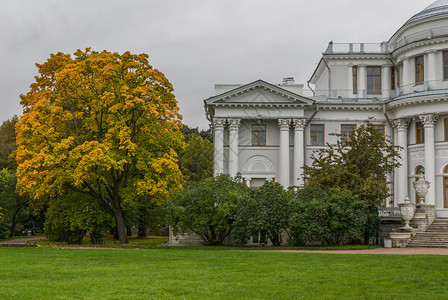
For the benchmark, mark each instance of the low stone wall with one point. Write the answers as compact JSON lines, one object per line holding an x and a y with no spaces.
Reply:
{"x":184,"y":240}
{"x":387,"y":225}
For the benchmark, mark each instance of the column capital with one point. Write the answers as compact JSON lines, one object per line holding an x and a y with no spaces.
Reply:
{"x":299,"y":124}
{"x":218,"y":123}
{"x":401,"y":124}
{"x":284,"y":124}
{"x":234,"y":124}
{"x":428,"y":120}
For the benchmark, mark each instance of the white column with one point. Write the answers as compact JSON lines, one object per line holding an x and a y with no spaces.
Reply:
{"x":402,"y":172}
{"x":362,"y":81}
{"x":385,"y":81}
{"x":218,"y":154}
{"x":395,"y":179}
{"x":432,"y":75}
{"x":299,"y":151}
{"x":284,"y":152}
{"x":406,"y":80}
{"x":234,"y":125}
{"x":430,"y":170}
{"x":350,"y":81}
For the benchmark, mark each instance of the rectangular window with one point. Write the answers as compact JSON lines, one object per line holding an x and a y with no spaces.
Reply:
{"x":419,"y":69}
{"x":419,"y":133}
{"x":317,"y":132}
{"x":346,"y":131}
{"x":373,"y":80}
{"x":355,"y":79}
{"x":381,"y":129}
{"x":256,"y":183}
{"x":258,"y":135}
{"x":445,"y":65}
{"x":445,"y":125}
{"x":392,"y":79}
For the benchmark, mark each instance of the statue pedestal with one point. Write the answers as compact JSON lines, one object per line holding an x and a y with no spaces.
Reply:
{"x":401,"y":237}
{"x":423,"y":217}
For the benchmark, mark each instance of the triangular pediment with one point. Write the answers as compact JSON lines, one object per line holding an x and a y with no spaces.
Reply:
{"x":258,"y":93}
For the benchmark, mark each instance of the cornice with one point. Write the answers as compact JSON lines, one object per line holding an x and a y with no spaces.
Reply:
{"x":258,"y":104}
{"x":354,"y":56}
{"x":412,"y":100}
{"x":418,"y":44}
{"x":350,"y":106}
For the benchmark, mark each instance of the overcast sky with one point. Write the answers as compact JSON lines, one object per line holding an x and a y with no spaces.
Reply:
{"x":195,"y":43}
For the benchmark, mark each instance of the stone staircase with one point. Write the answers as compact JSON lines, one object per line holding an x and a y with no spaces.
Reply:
{"x":436,"y":236}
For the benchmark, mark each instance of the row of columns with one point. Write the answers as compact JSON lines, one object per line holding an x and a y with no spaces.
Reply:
{"x":299,"y":151}
{"x":401,"y":128}
{"x":284,"y":149}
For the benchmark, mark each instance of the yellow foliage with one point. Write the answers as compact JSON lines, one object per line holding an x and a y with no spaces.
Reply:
{"x":99,"y":122}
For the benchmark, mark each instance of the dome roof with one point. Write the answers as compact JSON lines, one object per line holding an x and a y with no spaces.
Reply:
{"x":437,"y":8}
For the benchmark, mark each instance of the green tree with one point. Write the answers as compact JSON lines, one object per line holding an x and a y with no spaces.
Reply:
{"x":14,"y":206}
{"x":103,"y":124}
{"x":8,"y":144}
{"x":360,"y":165}
{"x":207,"y":208}
{"x":196,"y":161}
{"x":72,"y":215}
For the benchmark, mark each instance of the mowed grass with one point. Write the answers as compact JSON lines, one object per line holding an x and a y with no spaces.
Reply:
{"x":52,"y":273}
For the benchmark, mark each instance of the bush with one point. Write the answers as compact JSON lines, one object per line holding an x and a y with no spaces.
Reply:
{"x":207,"y":208}
{"x":308,"y":216}
{"x":331,"y":217}
{"x":267,"y":211}
{"x":4,"y":232}
{"x":71,"y":216}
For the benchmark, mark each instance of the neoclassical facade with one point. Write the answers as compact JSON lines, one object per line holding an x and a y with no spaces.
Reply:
{"x":269,"y":131}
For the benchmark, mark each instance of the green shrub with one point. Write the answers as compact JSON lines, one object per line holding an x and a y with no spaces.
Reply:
{"x":207,"y":208}
{"x":4,"y":232}
{"x":71,"y":216}
{"x":331,"y":217}
{"x":267,"y":210}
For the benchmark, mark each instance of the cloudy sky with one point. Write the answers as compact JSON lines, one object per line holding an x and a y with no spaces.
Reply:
{"x":195,"y":43}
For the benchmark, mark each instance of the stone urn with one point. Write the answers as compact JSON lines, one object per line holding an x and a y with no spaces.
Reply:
{"x":421,"y":187}
{"x":407,"y":210}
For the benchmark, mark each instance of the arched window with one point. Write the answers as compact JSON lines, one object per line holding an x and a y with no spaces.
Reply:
{"x":419,"y":171}
{"x":445,"y":187}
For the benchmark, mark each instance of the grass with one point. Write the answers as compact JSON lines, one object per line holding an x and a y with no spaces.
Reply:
{"x":53,"y":273}
{"x":109,"y":242}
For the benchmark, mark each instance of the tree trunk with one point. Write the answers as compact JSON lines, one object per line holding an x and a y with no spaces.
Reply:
{"x":121,"y":228}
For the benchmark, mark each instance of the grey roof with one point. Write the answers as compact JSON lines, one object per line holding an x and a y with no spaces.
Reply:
{"x":437,"y":8}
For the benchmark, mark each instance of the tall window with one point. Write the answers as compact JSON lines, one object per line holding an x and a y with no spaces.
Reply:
{"x":355,"y":79}
{"x":445,"y":188}
{"x":346,"y":131}
{"x":317,"y":133}
{"x":446,"y":129}
{"x":419,"y":133}
{"x":392,"y":79}
{"x":381,"y":129}
{"x":419,"y":69}
{"x":445,"y":65}
{"x":258,"y":135}
{"x":373,"y":80}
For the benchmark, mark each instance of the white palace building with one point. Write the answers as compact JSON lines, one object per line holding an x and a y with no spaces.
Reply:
{"x":268,"y":132}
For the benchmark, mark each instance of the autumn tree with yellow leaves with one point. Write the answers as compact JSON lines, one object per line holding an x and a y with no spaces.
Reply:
{"x":100,"y":123}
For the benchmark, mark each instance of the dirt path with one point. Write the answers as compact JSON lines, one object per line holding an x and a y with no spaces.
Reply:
{"x":21,"y":242}
{"x":388,"y":251}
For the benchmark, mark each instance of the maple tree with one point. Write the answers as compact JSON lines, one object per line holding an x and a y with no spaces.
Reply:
{"x":100,"y":123}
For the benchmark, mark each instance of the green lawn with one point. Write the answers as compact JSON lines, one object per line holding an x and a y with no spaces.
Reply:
{"x":52,"y":273}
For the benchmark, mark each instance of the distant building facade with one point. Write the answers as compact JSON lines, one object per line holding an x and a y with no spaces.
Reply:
{"x":268,"y":132}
